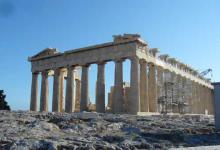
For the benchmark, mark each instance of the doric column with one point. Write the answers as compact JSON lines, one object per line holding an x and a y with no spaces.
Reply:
{"x":194,"y":97}
{"x":198,"y":91}
{"x":78,"y":95}
{"x":100,"y":89}
{"x":34,"y":92}
{"x":61,"y":91}
{"x":44,"y":92}
{"x":185,"y":96}
{"x":56,"y":90}
{"x":160,"y":87}
{"x":189,"y":95}
{"x":144,"y":105}
{"x":197,"y":98}
{"x":84,"y":88}
{"x":70,"y":93}
{"x":206,"y":101}
{"x":174,"y":93}
{"x":152,"y":89}
{"x":134,"y":98}
{"x":211,"y":101}
{"x":117,"y":102}
{"x":203,"y":99}
{"x":160,"y":81}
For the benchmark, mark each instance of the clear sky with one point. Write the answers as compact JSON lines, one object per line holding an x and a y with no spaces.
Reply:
{"x":185,"y":29}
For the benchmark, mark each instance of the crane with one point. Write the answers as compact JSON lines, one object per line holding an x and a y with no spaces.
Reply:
{"x":205,"y":72}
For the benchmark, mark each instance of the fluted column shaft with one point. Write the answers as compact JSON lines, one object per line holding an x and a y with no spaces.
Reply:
{"x":84,"y":88}
{"x":194,"y":97}
{"x":184,"y":95}
{"x":160,"y":81}
{"x":100,"y":89}
{"x":61,"y":91}
{"x":70,"y":92}
{"x":117,"y":103}
{"x":134,"y":98}
{"x":211,"y":101}
{"x":56,"y":90}
{"x":144,"y":105}
{"x":190,"y":95}
{"x":44,"y":92}
{"x":152,"y":91}
{"x":198,"y":91}
{"x":197,"y":99}
{"x":203,"y":99}
{"x":34,"y":92}
{"x":78,"y":95}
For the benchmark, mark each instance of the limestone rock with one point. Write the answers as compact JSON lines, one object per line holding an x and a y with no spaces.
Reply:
{"x":87,"y":130}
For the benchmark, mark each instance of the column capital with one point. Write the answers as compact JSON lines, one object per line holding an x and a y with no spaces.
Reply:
{"x":85,"y":65}
{"x":45,"y":72}
{"x":118,"y":60}
{"x":71,"y":67}
{"x":35,"y":73}
{"x":133,"y":58}
{"x":143,"y":61}
{"x":57,"y":71}
{"x":101,"y":63}
{"x":152,"y":64}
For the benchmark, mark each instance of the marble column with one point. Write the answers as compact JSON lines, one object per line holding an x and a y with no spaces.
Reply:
{"x":185,"y":95}
{"x":189,"y":97}
{"x":100,"y":89}
{"x":211,"y":101}
{"x":56,"y":90}
{"x":44,"y":92}
{"x":84,"y":88}
{"x":194,"y":98}
{"x":144,"y":105}
{"x":175,"y":96}
{"x":117,"y":102}
{"x":160,"y":81}
{"x":160,"y":87}
{"x":34,"y":92}
{"x":134,"y":98}
{"x":152,"y":88}
{"x":70,"y":93}
{"x":199,"y":98}
{"x":61,"y":91}
{"x":78,"y":95}
{"x":206,"y":100}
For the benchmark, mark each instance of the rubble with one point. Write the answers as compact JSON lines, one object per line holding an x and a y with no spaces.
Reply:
{"x":56,"y":131}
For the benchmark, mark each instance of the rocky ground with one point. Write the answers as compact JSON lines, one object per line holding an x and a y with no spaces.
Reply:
{"x":43,"y":131}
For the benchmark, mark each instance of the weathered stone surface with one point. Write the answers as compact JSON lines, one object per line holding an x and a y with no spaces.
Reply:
{"x":141,"y":96}
{"x":33,"y":130}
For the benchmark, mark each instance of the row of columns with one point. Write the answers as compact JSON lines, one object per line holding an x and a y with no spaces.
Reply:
{"x":134,"y":102}
{"x":143,"y":96}
{"x":198,"y":98}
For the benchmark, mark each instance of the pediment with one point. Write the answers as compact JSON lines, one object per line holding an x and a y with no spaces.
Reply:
{"x":45,"y":53}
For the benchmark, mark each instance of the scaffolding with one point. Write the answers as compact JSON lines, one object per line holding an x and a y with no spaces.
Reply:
{"x":174,"y":98}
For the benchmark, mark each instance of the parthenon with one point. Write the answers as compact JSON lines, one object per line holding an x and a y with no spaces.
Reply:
{"x":158,"y":83}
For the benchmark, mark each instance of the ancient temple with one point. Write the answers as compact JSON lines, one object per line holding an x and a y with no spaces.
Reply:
{"x":158,"y":83}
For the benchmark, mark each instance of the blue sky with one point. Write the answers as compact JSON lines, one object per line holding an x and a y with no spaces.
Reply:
{"x":186,"y":29}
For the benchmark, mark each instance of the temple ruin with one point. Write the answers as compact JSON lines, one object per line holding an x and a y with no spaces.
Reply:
{"x":158,"y":83}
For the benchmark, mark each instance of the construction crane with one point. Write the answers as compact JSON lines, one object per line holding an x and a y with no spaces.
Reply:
{"x":207,"y":71}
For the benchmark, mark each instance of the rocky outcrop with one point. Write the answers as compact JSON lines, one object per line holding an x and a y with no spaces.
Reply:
{"x":33,"y":130}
